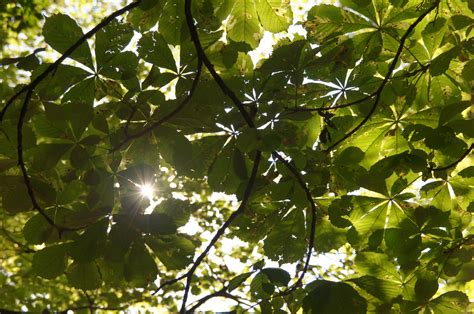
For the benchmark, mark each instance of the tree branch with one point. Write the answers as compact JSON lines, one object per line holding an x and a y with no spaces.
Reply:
{"x":223,"y":228}
{"x":52,"y":67}
{"x":454,"y":163}
{"x":219,"y":293}
{"x":391,"y":68}
{"x":309,"y":197}
{"x":24,"y":248}
{"x":202,"y":55}
{"x":166,"y":117}
{"x":24,"y":109}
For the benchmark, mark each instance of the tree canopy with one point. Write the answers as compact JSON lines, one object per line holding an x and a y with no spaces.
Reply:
{"x":161,"y":158}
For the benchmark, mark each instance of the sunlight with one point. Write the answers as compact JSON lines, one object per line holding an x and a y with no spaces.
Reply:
{"x":147,"y":190}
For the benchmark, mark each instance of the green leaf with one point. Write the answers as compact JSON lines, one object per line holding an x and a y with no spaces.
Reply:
{"x":17,"y":199}
{"x":50,"y":262}
{"x":178,"y":210}
{"x":46,"y":156}
{"x":90,"y":244}
{"x":140,"y":268}
{"x":243,"y":24}
{"x":286,"y":242}
{"x":441,"y":63}
{"x":275,"y":16}
{"x":57,"y":83}
{"x":84,"y":276}
{"x":111,"y":40}
{"x":122,"y":66}
{"x":426,"y":287}
{"x":450,"y":303}
{"x":384,"y":290}
{"x":37,"y":230}
{"x":240,"y":166}
{"x":153,"y":48}
{"x":277,"y":276}
{"x":61,"y":32}
{"x":235,"y":282}
{"x":175,"y":252}
{"x":327,"y":21}
{"x":79,"y":156}
{"x":333,"y":297}
{"x":172,"y":21}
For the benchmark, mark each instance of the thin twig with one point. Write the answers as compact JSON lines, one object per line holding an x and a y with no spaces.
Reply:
{"x":169,"y":282}
{"x":220,"y":293}
{"x":309,"y":197}
{"x":169,"y":115}
{"x":352,"y":103}
{"x":24,"y":248}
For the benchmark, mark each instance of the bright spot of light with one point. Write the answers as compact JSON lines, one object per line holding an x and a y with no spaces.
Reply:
{"x":147,"y":190}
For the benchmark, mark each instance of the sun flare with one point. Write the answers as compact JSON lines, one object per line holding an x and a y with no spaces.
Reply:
{"x":147,"y":190}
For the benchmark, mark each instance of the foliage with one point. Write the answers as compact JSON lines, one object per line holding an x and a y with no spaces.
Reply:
{"x":356,"y":136}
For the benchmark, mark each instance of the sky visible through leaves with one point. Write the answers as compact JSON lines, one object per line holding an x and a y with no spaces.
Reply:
{"x":278,"y":156}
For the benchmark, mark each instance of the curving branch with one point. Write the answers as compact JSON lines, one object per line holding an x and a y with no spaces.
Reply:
{"x":24,"y":109}
{"x":222,"y":229}
{"x":166,"y":117}
{"x":219,"y":293}
{"x":202,"y":55}
{"x":169,"y":282}
{"x":240,"y":106}
{"x":322,"y":109}
{"x":454,"y":163}
{"x":378,"y":92}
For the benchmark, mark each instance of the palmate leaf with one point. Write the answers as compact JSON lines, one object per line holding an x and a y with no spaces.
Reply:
{"x":393,"y":201}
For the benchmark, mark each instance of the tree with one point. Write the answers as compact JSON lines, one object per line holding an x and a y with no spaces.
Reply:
{"x":355,"y":137}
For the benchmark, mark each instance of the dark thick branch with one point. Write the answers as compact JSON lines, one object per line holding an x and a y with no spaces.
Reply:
{"x":24,"y":109}
{"x":391,"y":68}
{"x":227,"y":91}
{"x":202,"y":55}
{"x":454,"y":163}
{"x":166,"y":117}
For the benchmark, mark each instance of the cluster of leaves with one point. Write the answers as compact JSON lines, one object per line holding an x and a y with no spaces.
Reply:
{"x":380,"y":162}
